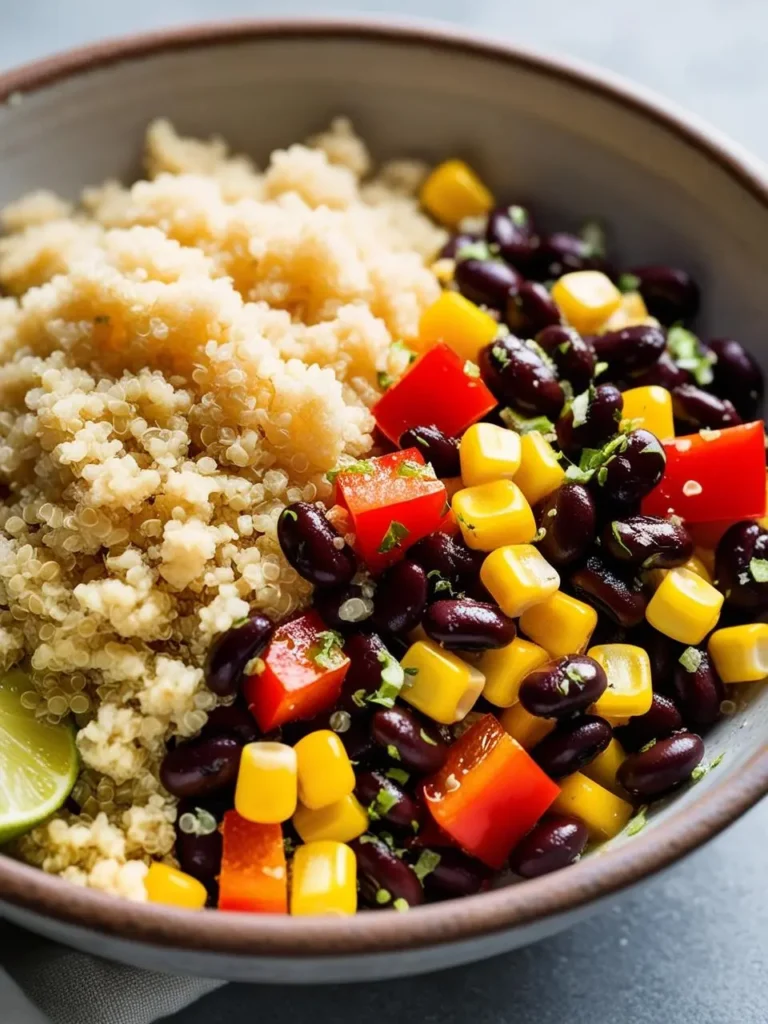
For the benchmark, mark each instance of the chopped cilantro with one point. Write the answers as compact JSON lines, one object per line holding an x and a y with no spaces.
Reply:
{"x":593,"y":460}
{"x":602,"y":476}
{"x":410,"y":468}
{"x":638,"y":823}
{"x":522,"y":425}
{"x":600,"y":367}
{"x":541,"y":533}
{"x":501,"y":355}
{"x":288,"y":846}
{"x":358,"y":698}
{"x":593,"y":236}
{"x":689,"y":354}
{"x":519,"y":216}
{"x":463,"y":521}
{"x":382,"y":804}
{"x":392,"y":537}
{"x":628,"y":283}
{"x":411,"y":671}
{"x":401,"y":904}
{"x":580,"y":407}
{"x":615,"y":530}
{"x":647,"y":746}
{"x":398,"y":775}
{"x":471,"y":369}
{"x":328,"y":653}
{"x":362,"y":466}
{"x":441,"y":584}
{"x":198,"y":822}
{"x":393,"y":752}
{"x":427,"y":739}
{"x":288,"y":513}
{"x":758,"y":567}
{"x":383,"y":896}
{"x":384,"y":380}
{"x":400,"y":346}
{"x":422,"y":441}
{"x":691,"y":659}
{"x":474,"y":251}
{"x":392,"y":679}
{"x":702,"y":769}
{"x":426,"y":864}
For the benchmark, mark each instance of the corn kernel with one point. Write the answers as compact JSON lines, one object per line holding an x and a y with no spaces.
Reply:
{"x":650,"y":408}
{"x":267,"y":784}
{"x":684,"y":607}
{"x":325,"y":773}
{"x":487,"y":453}
{"x":695,"y":564}
{"x":443,"y":687}
{"x":540,"y":471}
{"x":629,"y":691}
{"x":461,"y":324}
{"x":763,"y":520}
{"x":453,"y":191}
{"x":175,"y":888}
{"x":604,"y":813}
{"x":323,"y":879}
{"x":518,"y":576}
{"x":341,"y":822}
{"x":631,"y":311}
{"x":505,"y":668}
{"x":561,"y":624}
{"x":494,"y":514}
{"x":586,"y":298}
{"x":740,"y":653}
{"x":604,"y":769}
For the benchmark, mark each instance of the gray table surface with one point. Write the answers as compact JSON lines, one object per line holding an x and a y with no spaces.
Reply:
{"x":691,"y":947}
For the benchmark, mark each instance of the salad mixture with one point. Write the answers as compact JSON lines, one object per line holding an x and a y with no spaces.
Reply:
{"x":361,"y":544}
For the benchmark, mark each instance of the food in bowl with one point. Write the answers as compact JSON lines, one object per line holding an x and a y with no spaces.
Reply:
{"x":360,"y":542}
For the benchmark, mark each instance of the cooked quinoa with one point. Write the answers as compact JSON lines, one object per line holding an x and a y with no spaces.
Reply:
{"x":178,"y":361}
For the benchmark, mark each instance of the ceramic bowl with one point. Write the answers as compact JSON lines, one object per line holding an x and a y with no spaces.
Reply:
{"x":572,"y":141}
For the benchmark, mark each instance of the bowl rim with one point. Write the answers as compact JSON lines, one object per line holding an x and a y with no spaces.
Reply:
{"x":513,"y":906}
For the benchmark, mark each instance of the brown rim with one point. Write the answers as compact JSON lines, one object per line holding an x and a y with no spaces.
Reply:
{"x":501,"y":909}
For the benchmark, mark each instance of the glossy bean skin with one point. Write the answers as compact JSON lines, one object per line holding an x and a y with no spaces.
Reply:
{"x":328,"y":601}
{"x":359,"y":744}
{"x":572,"y":745}
{"x":659,"y":721}
{"x":379,"y":869}
{"x":414,"y":744}
{"x":309,"y":541}
{"x":400,"y":598}
{"x":663,"y":653}
{"x":630,"y":349}
{"x":531,"y":310}
{"x":648,"y":542}
{"x":367,"y":654}
{"x":562,"y":252}
{"x":695,"y":408}
{"x":456,"y":243}
{"x":670,"y":294}
{"x":397,"y":808}
{"x":487,"y":282}
{"x":199,"y":856}
{"x":232,"y":651}
{"x":450,"y":558}
{"x":601,"y":421}
{"x":201,"y":767}
{"x":737,"y":547}
{"x":231,"y":720}
{"x":664,"y":372}
{"x":440,"y":451}
{"x":555,"y":842}
{"x":510,"y":231}
{"x":573,"y":355}
{"x":635,"y":469}
{"x":598,"y":584}
{"x":569,"y":518}
{"x":563,"y":687}
{"x":455,"y":875}
{"x":665,"y":765}
{"x":519,"y":375}
{"x":461,"y":624}
{"x":698,"y":694}
{"x":737,"y":377}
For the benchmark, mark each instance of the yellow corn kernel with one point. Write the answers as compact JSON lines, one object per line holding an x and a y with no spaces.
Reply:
{"x":524,"y":727}
{"x":442,"y":686}
{"x":604,"y":813}
{"x":540,"y":471}
{"x":323,"y":879}
{"x":695,"y":564}
{"x":494,"y":514}
{"x":340,"y":822}
{"x":629,"y":691}
{"x":684,"y":607}
{"x":175,"y":888}
{"x":650,"y":408}
{"x":461,"y":324}
{"x":453,"y":191}
{"x":740,"y":653}
{"x":505,"y":668}
{"x":488,"y":452}
{"x":763,"y":520}
{"x":604,"y":769}
{"x":586,"y":298}
{"x":561,"y":624}
{"x":267,"y":783}
{"x":518,"y":577}
{"x":630,"y":311}
{"x":325,"y":773}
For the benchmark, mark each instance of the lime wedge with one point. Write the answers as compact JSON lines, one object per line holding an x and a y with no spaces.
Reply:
{"x":38,"y":762}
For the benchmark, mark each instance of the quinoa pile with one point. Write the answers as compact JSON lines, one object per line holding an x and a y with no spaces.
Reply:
{"x":178,"y":361}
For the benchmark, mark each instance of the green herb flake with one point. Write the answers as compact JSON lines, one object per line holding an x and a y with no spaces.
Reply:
{"x":358,"y":698}
{"x":427,"y":738}
{"x":691,"y":659}
{"x":463,"y":521}
{"x":600,"y":368}
{"x":409,"y":468}
{"x":398,"y":775}
{"x":472,"y":369}
{"x":289,"y":846}
{"x":593,"y":236}
{"x":363,"y":466}
{"x":426,"y":864}
{"x":628,"y":283}
{"x":704,"y":768}
{"x":602,"y":476}
{"x":328,"y":653}
{"x":400,"y":346}
{"x":580,"y":407}
{"x":541,"y":533}
{"x":689,"y":354}
{"x":501,"y":355}
{"x":440,"y":584}
{"x":638,"y":823}
{"x":616,"y":531}
{"x":519,"y":216}
{"x":422,"y":441}
{"x":524,"y":425}
{"x":383,"y":896}
{"x":411,"y":671}
{"x":401,"y":905}
{"x":198,"y":822}
{"x":384,"y":380}
{"x":392,"y":538}
{"x":288,"y":513}
{"x":474,"y":251}
{"x":647,"y":746}
{"x":758,"y":568}
{"x":393,"y":752}
{"x":392,"y":679}
{"x":382,"y":804}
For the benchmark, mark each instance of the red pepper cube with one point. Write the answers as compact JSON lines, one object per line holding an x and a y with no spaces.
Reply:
{"x":304,"y":667}
{"x":713,"y":475}
{"x":489,"y":792}
{"x":440,"y":388}
{"x":395,"y":504}
{"x":254,"y":877}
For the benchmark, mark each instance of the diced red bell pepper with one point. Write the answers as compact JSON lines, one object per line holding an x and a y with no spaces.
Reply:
{"x":303,"y":671}
{"x":715,"y":475}
{"x":254,"y":877}
{"x":392,"y":506}
{"x":489,"y":792}
{"x":440,"y":388}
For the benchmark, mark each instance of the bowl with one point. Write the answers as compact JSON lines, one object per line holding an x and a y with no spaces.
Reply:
{"x":573,"y":141}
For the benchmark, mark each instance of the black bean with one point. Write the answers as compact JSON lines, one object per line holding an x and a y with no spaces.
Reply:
{"x":382,"y":877}
{"x":232,"y":651}
{"x":201,"y":766}
{"x":531,"y":310}
{"x":569,"y":520}
{"x":659,"y":721}
{"x":647,"y":541}
{"x":231,"y":720}
{"x":199,"y":855}
{"x":368,"y":656}
{"x":440,"y":451}
{"x":665,"y":373}
{"x":387,"y":801}
{"x":461,"y":624}
{"x":330,"y":601}
{"x":597,"y":423}
{"x":697,"y":689}
{"x":662,"y":767}
{"x":555,"y":842}
{"x":739,"y":559}
{"x":400,"y":598}
{"x":573,"y":355}
{"x":312,"y":546}
{"x":620,"y":599}
{"x":562,"y":252}
{"x":487,"y":282}
{"x":572,"y":745}
{"x":663,"y":653}
{"x":695,"y":408}
{"x":634,"y":470}
{"x":511,"y":232}
{"x":456,"y":243}
{"x":447,"y":559}
{"x":737,"y":377}
{"x":630,"y":349}
{"x":670,"y":294}
{"x":359,"y":745}
{"x":563,"y":687}
{"x":454,"y":875}
{"x":520,"y":374}
{"x":408,"y":740}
